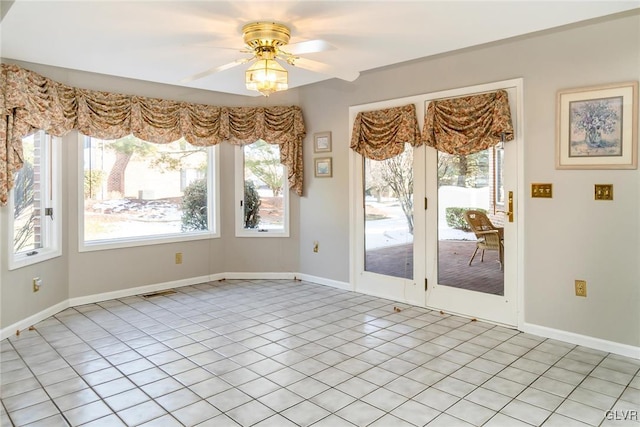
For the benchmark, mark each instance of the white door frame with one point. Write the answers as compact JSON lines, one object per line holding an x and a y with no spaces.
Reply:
{"x":412,"y":292}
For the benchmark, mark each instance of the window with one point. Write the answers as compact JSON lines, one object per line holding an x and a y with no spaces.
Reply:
{"x":262,"y":191}
{"x":34,"y":201}
{"x":136,"y":192}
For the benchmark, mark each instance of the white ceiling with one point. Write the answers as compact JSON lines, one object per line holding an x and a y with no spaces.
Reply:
{"x":168,"y":41}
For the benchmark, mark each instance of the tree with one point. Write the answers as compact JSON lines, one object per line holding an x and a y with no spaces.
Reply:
{"x":394,"y":174}
{"x":375,"y":184}
{"x":23,"y":206}
{"x":92,"y":182}
{"x":594,"y":118}
{"x":175,"y":160}
{"x":125,"y":148}
{"x":397,"y":172}
{"x":251,"y":204}
{"x":462,"y":170}
{"x":263,"y":161}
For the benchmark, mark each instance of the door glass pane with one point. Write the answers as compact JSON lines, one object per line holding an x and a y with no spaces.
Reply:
{"x":470,"y":182}
{"x":388,"y":213}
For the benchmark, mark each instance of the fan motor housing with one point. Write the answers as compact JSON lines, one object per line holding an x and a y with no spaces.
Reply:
{"x":265,"y":34}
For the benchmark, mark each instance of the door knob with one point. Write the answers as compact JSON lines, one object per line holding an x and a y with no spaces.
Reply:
{"x":509,"y":213}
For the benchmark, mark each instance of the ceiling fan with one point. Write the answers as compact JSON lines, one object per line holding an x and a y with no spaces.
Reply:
{"x":264,"y":41}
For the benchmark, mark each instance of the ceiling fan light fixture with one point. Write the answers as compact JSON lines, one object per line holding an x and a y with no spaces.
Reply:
{"x":266,"y":76}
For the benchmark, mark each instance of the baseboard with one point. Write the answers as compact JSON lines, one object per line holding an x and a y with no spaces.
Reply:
{"x":583,"y":340}
{"x":543,"y":331}
{"x":258,"y":276}
{"x":324,"y":281}
{"x":32,"y":320}
{"x":91,"y":299}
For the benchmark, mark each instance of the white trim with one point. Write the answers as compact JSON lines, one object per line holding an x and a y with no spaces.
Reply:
{"x":51,"y":229}
{"x":239,"y":181}
{"x":33,"y":319}
{"x":520,"y":213}
{"x":583,"y":340}
{"x":345,"y":286}
{"x":132,"y":242}
{"x":542,"y":331}
{"x":90,"y":299}
{"x":213,"y":215}
{"x":259,"y":276}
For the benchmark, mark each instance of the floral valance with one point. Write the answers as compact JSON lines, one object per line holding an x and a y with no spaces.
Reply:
{"x":468,"y":124}
{"x":381,"y":134}
{"x":29,"y":102}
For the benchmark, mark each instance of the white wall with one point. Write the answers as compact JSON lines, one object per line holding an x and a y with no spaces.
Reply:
{"x":568,"y":237}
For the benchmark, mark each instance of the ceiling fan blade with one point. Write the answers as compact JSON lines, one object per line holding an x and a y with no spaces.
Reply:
{"x":330,"y":70}
{"x":310,"y":46}
{"x":215,"y":70}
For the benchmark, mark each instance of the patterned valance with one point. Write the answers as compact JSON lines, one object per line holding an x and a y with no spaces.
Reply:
{"x":468,"y":124}
{"x":29,"y":102}
{"x":381,"y":134}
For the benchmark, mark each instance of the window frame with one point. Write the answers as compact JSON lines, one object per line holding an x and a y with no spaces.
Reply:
{"x":239,"y":200}
{"x":51,"y":226}
{"x":213,"y":211}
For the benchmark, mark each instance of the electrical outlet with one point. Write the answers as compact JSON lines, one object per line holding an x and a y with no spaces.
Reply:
{"x":315,"y":246}
{"x":581,"y":288}
{"x":178,"y":257}
{"x":36,"y":282}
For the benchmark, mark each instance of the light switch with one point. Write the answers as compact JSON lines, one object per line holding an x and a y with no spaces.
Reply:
{"x":542,"y":190}
{"x":604,"y":192}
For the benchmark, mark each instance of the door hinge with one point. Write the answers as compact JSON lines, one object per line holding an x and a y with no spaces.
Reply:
{"x":425,"y":203}
{"x":425,"y":284}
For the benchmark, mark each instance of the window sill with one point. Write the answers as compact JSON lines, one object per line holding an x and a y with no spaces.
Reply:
{"x":101,"y":245}
{"x":23,"y":260}
{"x":259,"y":233}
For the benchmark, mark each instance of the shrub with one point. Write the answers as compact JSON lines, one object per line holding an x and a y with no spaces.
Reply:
{"x":455,"y":218}
{"x":251,"y":205}
{"x":194,"y":206}
{"x":92,"y":182}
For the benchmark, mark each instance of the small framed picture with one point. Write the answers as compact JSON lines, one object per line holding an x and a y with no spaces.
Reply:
{"x":323,"y":167}
{"x":322,"y":142}
{"x":597,"y":127}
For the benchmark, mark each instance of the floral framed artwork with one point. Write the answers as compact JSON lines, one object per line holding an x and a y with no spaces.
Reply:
{"x":597,"y":127}
{"x":323,"y":167}
{"x":322,"y":142}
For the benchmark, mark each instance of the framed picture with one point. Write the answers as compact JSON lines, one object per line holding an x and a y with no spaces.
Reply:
{"x":597,"y":127}
{"x":322,"y":142}
{"x":323,"y":167}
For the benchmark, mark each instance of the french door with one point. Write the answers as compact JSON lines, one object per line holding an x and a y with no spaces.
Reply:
{"x":387,"y":236}
{"x":467,"y":273}
{"x":409,"y":239}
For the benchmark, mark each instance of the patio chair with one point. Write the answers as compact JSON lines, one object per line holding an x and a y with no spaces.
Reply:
{"x":489,"y":236}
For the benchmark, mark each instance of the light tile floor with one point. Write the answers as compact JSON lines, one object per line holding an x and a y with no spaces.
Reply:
{"x":286,"y":353}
